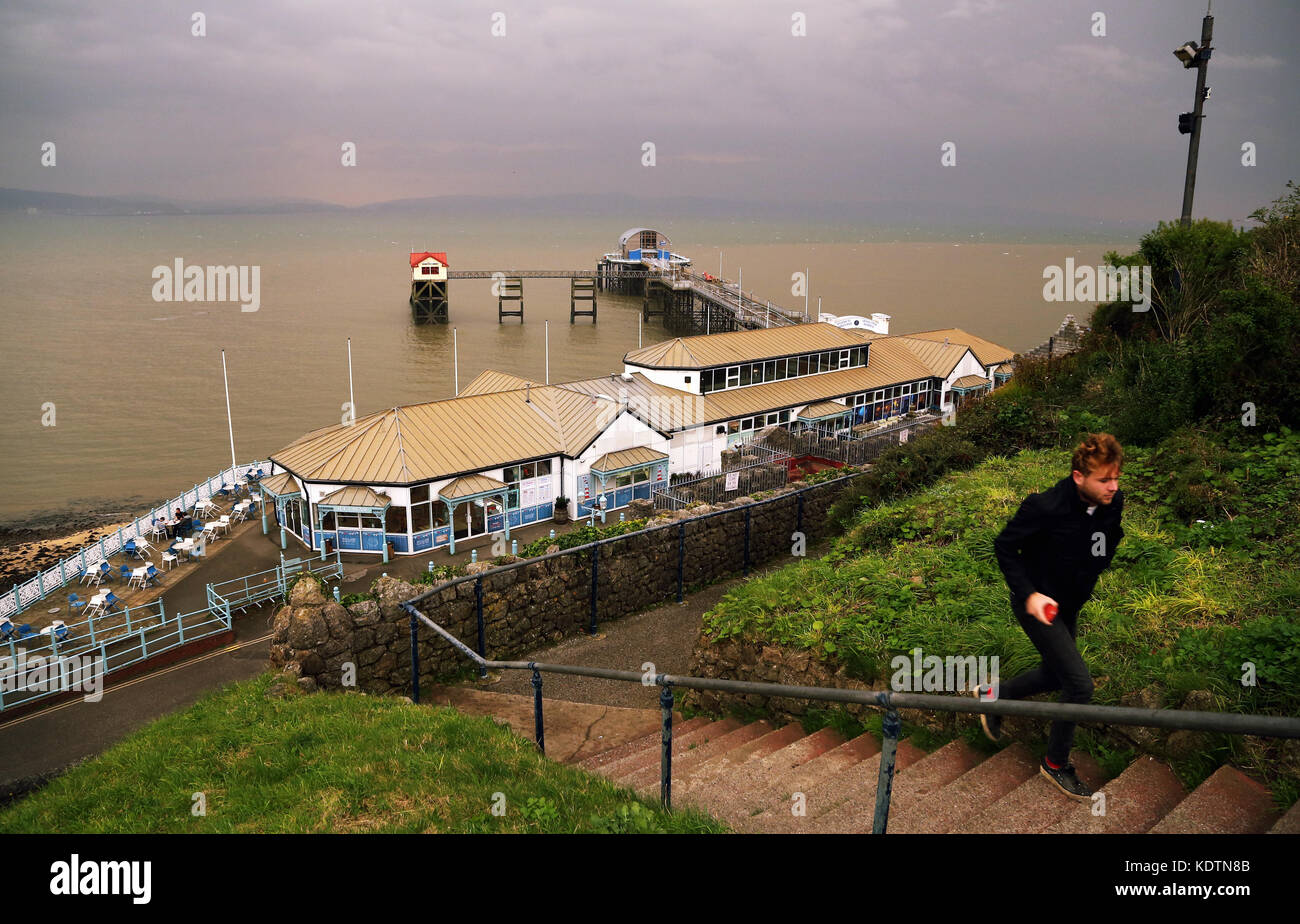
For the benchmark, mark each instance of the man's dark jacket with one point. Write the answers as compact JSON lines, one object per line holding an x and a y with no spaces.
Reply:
{"x":1049,"y":545}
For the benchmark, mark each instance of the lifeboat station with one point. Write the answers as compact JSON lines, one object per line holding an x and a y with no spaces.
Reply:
{"x":506,"y":450}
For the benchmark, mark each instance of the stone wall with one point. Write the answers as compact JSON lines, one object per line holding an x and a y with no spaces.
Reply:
{"x":533,"y":602}
{"x":1067,"y":339}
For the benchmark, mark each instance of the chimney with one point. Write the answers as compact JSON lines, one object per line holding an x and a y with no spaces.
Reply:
{"x":945,"y":341}
{"x":528,"y":387}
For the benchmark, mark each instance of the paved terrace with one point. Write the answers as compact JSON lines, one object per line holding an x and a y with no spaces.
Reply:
{"x":246,"y":551}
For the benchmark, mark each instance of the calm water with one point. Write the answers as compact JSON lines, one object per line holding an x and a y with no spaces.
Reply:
{"x":137,"y":386}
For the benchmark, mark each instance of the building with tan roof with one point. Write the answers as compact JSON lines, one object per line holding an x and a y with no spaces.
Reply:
{"x":500,"y":454}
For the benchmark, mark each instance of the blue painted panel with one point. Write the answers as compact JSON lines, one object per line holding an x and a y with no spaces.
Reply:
{"x":399,"y":542}
{"x":423,"y":541}
{"x":623,"y":496}
{"x":530,"y":514}
{"x":642,"y":491}
{"x":495,"y":523}
{"x":546,"y":511}
{"x":516,"y":517}
{"x":321,"y":537}
{"x":441,"y":535}
{"x":350,"y":540}
{"x":634,"y":254}
{"x":372,"y":540}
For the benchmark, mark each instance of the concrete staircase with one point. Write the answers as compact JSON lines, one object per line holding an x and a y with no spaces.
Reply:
{"x":759,"y":778}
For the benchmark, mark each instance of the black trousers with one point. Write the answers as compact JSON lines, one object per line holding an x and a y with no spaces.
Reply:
{"x":1062,"y":668}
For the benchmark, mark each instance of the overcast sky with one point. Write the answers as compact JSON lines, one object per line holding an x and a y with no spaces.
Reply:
{"x":1044,"y":115}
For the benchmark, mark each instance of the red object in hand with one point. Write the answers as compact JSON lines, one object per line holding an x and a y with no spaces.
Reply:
{"x":1050,"y":610}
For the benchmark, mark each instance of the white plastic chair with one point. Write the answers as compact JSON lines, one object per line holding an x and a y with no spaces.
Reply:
{"x":137,"y":575}
{"x":168,"y":560}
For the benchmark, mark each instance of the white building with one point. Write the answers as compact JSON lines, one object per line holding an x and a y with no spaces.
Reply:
{"x":500,"y":454}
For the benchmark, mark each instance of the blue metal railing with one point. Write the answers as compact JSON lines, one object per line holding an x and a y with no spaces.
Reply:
{"x":71,"y":569}
{"x":39,"y":666}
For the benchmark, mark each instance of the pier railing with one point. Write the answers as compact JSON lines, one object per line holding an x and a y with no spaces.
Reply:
{"x":37,"y":666}
{"x":70,"y":570}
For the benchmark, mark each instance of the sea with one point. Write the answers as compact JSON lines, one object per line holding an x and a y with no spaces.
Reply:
{"x":115,"y":400}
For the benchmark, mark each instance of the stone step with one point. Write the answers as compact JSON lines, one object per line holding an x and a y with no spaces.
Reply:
{"x":1136,"y":800}
{"x":917,"y":782}
{"x":832,"y":792}
{"x":739,"y":809}
{"x":757,"y":774}
{"x":649,"y":756}
{"x":648,"y":777}
{"x":726,"y":764}
{"x":637,"y":745}
{"x":968,"y":795}
{"x":1033,"y":805}
{"x":1229,"y":802}
{"x":574,"y":731}
{"x":1288,"y":823}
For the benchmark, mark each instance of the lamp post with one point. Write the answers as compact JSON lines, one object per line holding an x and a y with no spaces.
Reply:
{"x":1189,"y":123}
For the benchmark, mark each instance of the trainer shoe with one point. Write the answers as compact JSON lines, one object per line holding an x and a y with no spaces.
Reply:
{"x":992,"y":724}
{"x":1066,"y":781}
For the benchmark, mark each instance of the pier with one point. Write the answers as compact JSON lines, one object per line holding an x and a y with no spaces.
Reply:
{"x":644,"y":265}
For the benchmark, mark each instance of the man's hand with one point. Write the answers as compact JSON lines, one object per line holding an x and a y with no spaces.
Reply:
{"x":1034,"y":607}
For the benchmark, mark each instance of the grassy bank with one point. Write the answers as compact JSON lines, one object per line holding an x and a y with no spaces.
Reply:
{"x":1181,"y":608}
{"x":331,"y":762}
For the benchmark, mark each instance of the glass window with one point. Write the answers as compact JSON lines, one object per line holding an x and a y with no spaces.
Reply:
{"x":769,"y":373}
{"x":803,"y":365}
{"x":528,"y":470}
{"x":419,"y":493}
{"x":745,"y":371}
{"x":733,"y":426}
{"x":420,"y":517}
{"x":328,"y":522}
{"x":733,"y":376}
{"x":844,"y":358}
{"x":907,"y":389}
{"x":880,"y":394}
{"x":371,"y":522}
{"x":395,"y":520}
{"x":623,"y":479}
{"x":544,"y":469}
{"x":440,"y":514}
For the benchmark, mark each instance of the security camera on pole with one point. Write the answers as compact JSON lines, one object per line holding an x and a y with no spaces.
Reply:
{"x":1189,"y":123}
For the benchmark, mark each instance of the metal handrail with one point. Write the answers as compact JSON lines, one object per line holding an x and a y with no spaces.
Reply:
{"x":891,"y":702}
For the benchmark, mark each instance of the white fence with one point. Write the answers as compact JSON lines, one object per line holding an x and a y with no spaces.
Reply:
{"x":70,"y":570}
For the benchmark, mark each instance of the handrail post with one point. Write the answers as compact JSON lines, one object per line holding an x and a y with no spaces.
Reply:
{"x":538,"y":731}
{"x":415,"y":662}
{"x":681,"y":559}
{"x":666,"y":746}
{"x":482,"y":630}
{"x":890,"y":728}
{"x":798,"y":527}
{"x":595,"y":578}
